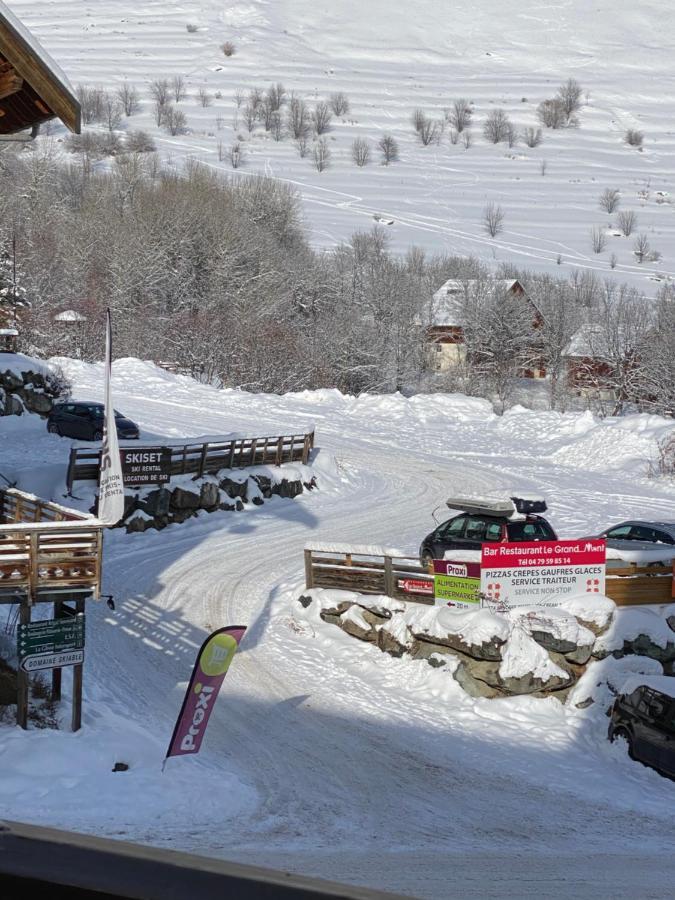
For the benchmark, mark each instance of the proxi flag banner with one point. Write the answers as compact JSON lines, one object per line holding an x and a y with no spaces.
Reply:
{"x":111,"y":483}
{"x":213,"y":661}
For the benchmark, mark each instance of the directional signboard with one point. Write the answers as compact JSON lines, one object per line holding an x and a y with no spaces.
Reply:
{"x":457,"y":584}
{"x":52,"y":643}
{"x":146,"y":465}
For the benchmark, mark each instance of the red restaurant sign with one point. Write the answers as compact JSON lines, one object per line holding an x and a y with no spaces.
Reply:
{"x":542,"y":572}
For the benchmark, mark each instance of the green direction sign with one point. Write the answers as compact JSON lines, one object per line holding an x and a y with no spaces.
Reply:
{"x":55,"y":636}
{"x":458,"y":591}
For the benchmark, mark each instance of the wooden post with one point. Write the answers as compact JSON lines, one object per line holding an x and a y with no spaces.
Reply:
{"x":305,"y":449}
{"x":231,"y":459}
{"x":21,"y":676}
{"x":76,"y":722}
{"x":254,"y":444}
{"x":388,"y":576}
{"x":202,"y":459}
{"x":280,"y":452}
{"x":56,"y":673}
{"x":309,"y":571}
{"x":70,"y":477}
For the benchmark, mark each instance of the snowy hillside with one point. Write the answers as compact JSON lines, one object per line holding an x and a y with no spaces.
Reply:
{"x":323,"y":755}
{"x":390,"y":58}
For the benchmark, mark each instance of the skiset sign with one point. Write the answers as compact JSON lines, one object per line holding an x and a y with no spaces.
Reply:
{"x":146,"y":465}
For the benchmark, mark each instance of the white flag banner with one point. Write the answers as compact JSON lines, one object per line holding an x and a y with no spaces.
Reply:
{"x":111,"y":484}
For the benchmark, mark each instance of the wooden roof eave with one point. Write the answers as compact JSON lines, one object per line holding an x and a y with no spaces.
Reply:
{"x":45,"y":88}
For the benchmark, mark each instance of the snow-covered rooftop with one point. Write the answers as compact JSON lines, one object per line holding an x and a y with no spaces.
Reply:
{"x":69,"y":315}
{"x":448,"y":302}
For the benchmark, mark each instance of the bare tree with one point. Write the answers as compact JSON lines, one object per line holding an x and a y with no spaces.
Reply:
{"x":418,"y":119}
{"x":112,"y":111}
{"x":460,"y":114}
{"x":641,"y":247}
{"x":532,"y":136}
{"x":159,"y":110}
{"x":204,"y":97}
{"x":276,"y":94}
{"x":389,"y":148}
{"x":277,"y":126}
{"x":609,"y":200}
{"x":496,"y":126}
{"x":429,"y":131}
{"x":267,"y":113}
{"x":511,"y":134}
{"x":239,"y":97}
{"x":139,"y":142}
{"x":613,"y":260}
{"x":634,"y":138}
{"x":298,"y":117}
{"x":255,"y":97}
{"x":454,"y":136}
{"x":551,"y":113}
{"x":321,"y":154}
{"x":598,"y":239}
{"x":174,"y":120}
{"x":302,"y":145}
{"x":627,"y":221}
{"x":159,"y":91}
{"x":569,"y":94}
{"x":339,"y":103}
{"x":228,"y":48}
{"x":543,"y":166}
{"x":128,"y":97}
{"x":360,"y":151}
{"x":178,"y":88}
{"x":250,"y":117}
{"x":236,"y":154}
{"x":321,"y":117}
{"x":467,"y":138}
{"x":91,"y":103}
{"x":493,"y":219}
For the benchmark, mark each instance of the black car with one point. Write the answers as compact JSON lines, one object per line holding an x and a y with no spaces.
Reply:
{"x":470,"y":529}
{"x":84,"y":421}
{"x":644,"y":716}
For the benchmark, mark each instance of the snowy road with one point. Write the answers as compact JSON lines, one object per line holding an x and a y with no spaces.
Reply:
{"x":341,"y":761}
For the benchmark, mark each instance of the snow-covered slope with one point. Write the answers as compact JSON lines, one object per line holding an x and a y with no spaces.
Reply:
{"x":390,"y":58}
{"x":324,"y":755}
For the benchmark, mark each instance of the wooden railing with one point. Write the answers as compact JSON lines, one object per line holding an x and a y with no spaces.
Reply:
{"x":401,"y":577}
{"x":44,"y":546}
{"x":208,"y":456}
{"x":404,"y":578}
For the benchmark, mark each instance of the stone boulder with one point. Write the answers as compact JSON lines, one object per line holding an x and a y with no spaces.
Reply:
{"x":287,"y":489}
{"x":637,"y":631}
{"x":209,"y":495}
{"x":233,"y":489}
{"x":479,"y":634}
{"x":37,"y":402}
{"x":182,"y":499}
{"x":360,"y":623}
{"x":557,"y":631}
{"x":157,"y":502}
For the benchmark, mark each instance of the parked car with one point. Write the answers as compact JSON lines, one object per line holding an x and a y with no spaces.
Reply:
{"x":84,"y":421}
{"x":485,"y":521}
{"x":650,"y":532}
{"x":644,"y":716}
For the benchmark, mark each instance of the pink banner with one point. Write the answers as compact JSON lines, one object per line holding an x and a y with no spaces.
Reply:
{"x":213,"y":661}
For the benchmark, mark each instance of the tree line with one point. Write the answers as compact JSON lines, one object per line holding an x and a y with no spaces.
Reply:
{"x":216,"y":276}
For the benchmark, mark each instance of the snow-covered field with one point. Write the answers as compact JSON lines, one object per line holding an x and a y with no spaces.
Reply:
{"x":324,"y":755}
{"x":390,"y":58}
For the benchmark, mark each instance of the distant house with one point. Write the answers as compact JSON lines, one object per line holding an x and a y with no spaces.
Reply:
{"x":69,"y":317}
{"x":588,"y":363}
{"x":9,"y":340}
{"x":445,"y":333}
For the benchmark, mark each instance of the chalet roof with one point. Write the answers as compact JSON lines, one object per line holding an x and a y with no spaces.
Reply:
{"x":9,"y":332}
{"x":447,"y":307}
{"x":33,"y":89}
{"x":588,"y":342}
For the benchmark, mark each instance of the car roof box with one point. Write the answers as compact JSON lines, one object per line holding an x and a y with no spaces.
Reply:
{"x":502,"y":507}
{"x":525,"y":505}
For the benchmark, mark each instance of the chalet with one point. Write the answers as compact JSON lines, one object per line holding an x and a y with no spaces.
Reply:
{"x":33,"y":89}
{"x":588,"y":363}
{"x":445,"y":333}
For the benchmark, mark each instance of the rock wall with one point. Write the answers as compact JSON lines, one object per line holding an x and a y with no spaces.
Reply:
{"x":223,"y":491}
{"x":527,"y":651}
{"x":23,"y":389}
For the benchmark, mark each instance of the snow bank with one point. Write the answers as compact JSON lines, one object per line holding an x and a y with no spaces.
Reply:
{"x":475,"y":627}
{"x":595,"y":609}
{"x":559,"y":623}
{"x":605,"y":678}
{"x":17,"y":363}
{"x":355,"y":549}
{"x":629,"y":624}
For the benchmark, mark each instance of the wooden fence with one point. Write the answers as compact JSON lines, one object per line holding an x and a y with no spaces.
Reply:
{"x":201,"y":458}
{"x":401,"y":577}
{"x":404,"y":578}
{"x":45,"y":547}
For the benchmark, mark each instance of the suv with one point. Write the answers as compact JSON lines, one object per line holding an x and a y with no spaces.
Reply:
{"x":644,"y":716}
{"x":482,"y":522}
{"x":84,"y":421}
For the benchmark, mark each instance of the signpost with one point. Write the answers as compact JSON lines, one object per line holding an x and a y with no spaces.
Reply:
{"x":51,"y":644}
{"x":457,"y":584}
{"x":540,"y":573}
{"x":415,"y":586}
{"x":146,"y":465}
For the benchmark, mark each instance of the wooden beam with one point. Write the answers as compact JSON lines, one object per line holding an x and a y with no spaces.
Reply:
{"x":10,"y":83}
